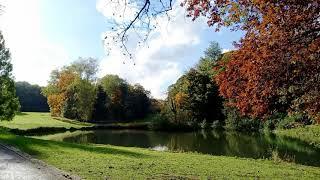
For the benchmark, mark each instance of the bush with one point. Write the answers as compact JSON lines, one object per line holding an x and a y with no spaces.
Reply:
{"x":292,"y":121}
{"x":161,"y":122}
{"x":236,"y":122}
{"x":272,"y":122}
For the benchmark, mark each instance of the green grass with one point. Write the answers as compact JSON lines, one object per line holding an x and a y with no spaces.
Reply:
{"x":105,"y":161}
{"x":33,"y":120}
{"x":309,"y":134}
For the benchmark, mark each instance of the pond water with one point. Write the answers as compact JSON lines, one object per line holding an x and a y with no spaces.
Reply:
{"x":208,"y":142}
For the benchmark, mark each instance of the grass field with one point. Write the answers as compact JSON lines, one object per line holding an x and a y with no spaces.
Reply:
{"x":33,"y":120}
{"x":105,"y":161}
{"x":309,"y":134}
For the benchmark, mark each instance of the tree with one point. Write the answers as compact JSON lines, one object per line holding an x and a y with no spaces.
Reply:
{"x":100,"y":110}
{"x":137,"y":102}
{"x":30,"y":98}
{"x":57,"y":90}
{"x":71,"y":92}
{"x":203,"y":95}
{"x":85,"y":95}
{"x":116,"y":89}
{"x":9,"y":103}
{"x":86,"y":68}
{"x":211,"y":57}
{"x":132,"y":16}
{"x":213,"y":52}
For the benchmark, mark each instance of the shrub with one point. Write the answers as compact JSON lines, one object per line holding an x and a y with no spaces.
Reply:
{"x":237,"y":122}
{"x":292,"y":121}
{"x":161,"y":122}
{"x":272,"y":122}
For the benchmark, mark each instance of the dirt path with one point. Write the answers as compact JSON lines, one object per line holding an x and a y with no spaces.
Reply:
{"x":15,"y":165}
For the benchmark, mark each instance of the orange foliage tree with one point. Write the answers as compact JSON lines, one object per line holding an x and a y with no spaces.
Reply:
{"x":56,"y":92}
{"x":276,"y":66}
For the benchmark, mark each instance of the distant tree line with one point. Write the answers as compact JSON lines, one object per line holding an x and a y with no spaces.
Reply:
{"x":30,"y":98}
{"x":75,"y":92}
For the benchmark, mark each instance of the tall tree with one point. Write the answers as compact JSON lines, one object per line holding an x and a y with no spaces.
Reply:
{"x":9,"y":103}
{"x":117,"y":90}
{"x":100,"y":110}
{"x":137,"y":102}
{"x":211,"y":56}
{"x":86,"y":68}
{"x":203,"y":95}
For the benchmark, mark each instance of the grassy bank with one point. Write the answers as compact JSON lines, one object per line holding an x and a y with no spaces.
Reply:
{"x":309,"y":134}
{"x":104,"y":161}
{"x":36,"y":123}
{"x":33,"y":120}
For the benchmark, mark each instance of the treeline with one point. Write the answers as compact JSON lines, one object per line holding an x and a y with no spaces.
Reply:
{"x":75,"y":92}
{"x":30,"y":98}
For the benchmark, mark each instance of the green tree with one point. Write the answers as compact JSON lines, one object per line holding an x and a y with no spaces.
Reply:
{"x":213,"y":52}
{"x":9,"y":103}
{"x":137,"y":102}
{"x":211,"y":56}
{"x":80,"y":99}
{"x":100,"y":111}
{"x":86,"y":68}
{"x":117,"y":90}
{"x":203,"y":95}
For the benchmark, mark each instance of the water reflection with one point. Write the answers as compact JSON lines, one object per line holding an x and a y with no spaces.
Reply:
{"x":212,"y":142}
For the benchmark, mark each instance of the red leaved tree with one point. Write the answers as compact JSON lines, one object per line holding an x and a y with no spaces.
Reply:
{"x":276,"y":66}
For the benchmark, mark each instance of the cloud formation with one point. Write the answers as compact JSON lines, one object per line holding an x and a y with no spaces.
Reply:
{"x":163,"y":59}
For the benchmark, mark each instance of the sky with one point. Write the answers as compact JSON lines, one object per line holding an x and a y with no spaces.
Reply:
{"x":43,"y":35}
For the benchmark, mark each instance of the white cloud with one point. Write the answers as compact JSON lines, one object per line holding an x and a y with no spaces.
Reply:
{"x":33,"y":57}
{"x":226,"y":50}
{"x":170,"y":46}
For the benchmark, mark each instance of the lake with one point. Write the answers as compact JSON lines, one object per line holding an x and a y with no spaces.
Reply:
{"x":253,"y":145}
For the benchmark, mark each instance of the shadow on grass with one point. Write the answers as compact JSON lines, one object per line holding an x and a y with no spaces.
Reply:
{"x":38,"y":147}
{"x":22,"y":114}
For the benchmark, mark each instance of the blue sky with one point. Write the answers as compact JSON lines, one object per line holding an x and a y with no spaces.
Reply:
{"x":46,"y":34}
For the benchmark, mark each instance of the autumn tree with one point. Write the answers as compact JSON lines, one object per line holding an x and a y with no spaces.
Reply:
{"x":71,"y":92}
{"x":9,"y":104}
{"x":276,"y":66}
{"x":57,"y":90}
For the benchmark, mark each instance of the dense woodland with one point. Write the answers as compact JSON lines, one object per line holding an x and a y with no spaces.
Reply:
{"x":30,"y":98}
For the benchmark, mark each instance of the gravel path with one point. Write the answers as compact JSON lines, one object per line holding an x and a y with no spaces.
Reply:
{"x":15,"y":165}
